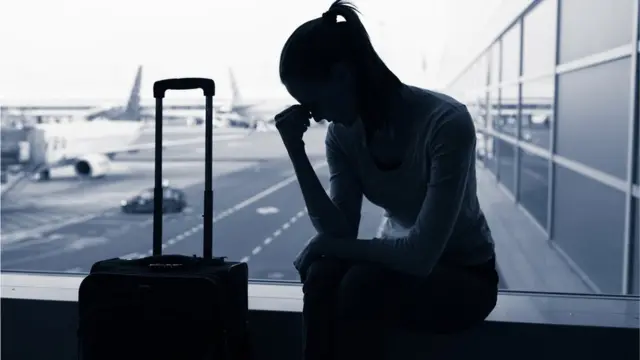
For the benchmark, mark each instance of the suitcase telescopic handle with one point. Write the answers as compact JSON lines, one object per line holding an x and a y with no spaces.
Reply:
{"x":207,"y":85}
{"x":208,"y":88}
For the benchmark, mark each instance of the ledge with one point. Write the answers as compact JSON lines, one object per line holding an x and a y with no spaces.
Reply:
{"x":518,"y":307}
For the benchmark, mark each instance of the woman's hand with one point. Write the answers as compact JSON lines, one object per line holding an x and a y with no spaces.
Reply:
{"x":292,"y":123}
{"x":315,"y":249}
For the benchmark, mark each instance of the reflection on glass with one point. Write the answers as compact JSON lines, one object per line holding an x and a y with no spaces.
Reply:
{"x":506,"y":163}
{"x":505,"y":115}
{"x":534,"y":185}
{"x":537,"y":112}
{"x":511,"y":54}
{"x":539,"y":39}
{"x":493,"y":104}
{"x":588,"y":224}
{"x":477,"y":107}
{"x":494,"y":73}
{"x":594,"y":26}
{"x":489,"y":154}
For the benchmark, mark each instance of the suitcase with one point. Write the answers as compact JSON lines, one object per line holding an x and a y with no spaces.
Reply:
{"x":167,"y":306}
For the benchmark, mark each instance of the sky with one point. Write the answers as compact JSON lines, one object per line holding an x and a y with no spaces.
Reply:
{"x":89,"y":49}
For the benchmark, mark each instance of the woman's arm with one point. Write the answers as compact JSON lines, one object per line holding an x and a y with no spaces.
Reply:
{"x":452,"y":150}
{"x":337,"y":215}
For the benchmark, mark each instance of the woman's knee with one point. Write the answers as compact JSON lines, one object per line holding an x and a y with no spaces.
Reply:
{"x":361,"y":293}
{"x":323,"y":275}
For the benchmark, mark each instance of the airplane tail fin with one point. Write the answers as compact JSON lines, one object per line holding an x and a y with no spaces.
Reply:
{"x":133,"y":109}
{"x":236,"y":97}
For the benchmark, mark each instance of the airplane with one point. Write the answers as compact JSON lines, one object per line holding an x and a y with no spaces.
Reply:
{"x":248,"y":114}
{"x":91,"y":140}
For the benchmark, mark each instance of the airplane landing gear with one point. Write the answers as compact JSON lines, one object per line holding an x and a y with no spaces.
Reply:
{"x":44,"y":175}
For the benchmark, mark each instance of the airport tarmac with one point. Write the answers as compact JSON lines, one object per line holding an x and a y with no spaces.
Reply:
{"x":259,"y":213}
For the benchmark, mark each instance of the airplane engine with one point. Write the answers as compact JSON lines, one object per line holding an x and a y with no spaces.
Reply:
{"x":93,"y":165}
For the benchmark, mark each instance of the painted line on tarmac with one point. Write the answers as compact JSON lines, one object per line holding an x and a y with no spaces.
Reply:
{"x":226,"y":213}
{"x":269,"y":239}
{"x":37,"y":231}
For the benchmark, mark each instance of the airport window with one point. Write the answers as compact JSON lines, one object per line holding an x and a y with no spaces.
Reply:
{"x":506,"y":114}
{"x":533,"y":187}
{"x":506,"y":163}
{"x":589,"y":27}
{"x":536,"y":118}
{"x":495,"y":64}
{"x":588,"y":224}
{"x":593,"y":121}
{"x":65,"y":225}
{"x":494,"y":108}
{"x":477,"y":105}
{"x":489,"y":156}
{"x":511,"y":54}
{"x":539,"y":39}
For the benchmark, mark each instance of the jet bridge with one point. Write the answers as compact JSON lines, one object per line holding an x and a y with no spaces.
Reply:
{"x":23,"y":152}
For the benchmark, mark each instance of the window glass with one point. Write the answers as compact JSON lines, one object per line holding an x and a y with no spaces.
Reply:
{"x":506,"y":119}
{"x":511,"y":54}
{"x":495,"y":64}
{"x":93,"y":104}
{"x":506,"y":163}
{"x":536,"y":120}
{"x":588,"y":27}
{"x":593,"y":121}
{"x":539,"y":39}
{"x":534,"y":186}
{"x":589,"y":226}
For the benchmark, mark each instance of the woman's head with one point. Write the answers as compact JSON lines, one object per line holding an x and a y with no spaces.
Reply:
{"x":331,"y":68}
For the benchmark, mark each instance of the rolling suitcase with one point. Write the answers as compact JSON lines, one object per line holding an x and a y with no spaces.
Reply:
{"x":167,"y":306}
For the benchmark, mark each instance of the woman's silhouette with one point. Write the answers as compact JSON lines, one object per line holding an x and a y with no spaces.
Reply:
{"x":408,"y":150}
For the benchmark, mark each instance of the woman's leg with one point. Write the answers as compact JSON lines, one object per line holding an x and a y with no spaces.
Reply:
{"x":373,"y":300}
{"x":320,"y":288}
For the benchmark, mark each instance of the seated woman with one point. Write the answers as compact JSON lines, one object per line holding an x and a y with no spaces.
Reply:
{"x":408,"y":150}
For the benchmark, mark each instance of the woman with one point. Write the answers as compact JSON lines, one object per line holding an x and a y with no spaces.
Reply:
{"x":408,"y":150}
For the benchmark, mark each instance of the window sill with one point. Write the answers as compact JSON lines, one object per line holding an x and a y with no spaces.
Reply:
{"x":514,"y":307}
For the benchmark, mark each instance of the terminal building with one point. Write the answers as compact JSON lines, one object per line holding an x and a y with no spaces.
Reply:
{"x":555,"y":101}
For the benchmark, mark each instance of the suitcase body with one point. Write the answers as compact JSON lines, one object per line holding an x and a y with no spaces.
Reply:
{"x":167,"y":306}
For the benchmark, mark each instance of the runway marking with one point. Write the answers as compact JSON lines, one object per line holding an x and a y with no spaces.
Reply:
{"x":276,"y":233}
{"x":267,"y":210}
{"x":270,"y":190}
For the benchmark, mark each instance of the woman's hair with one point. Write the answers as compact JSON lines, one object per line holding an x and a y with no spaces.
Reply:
{"x":315,"y":46}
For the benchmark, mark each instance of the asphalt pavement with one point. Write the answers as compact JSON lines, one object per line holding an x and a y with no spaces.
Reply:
{"x":259,"y":213}
{"x":66,"y":224}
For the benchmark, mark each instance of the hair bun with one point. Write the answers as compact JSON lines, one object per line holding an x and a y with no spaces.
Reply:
{"x":330,"y":17}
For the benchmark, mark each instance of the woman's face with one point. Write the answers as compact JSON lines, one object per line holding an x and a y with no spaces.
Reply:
{"x":333,"y":99}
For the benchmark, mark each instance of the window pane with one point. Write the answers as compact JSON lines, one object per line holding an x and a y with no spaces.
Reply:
{"x":477,"y":105}
{"x":506,"y":120}
{"x":490,"y":160}
{"x":494,"y":73}
{"x":511,"y":54}
{"x":589,"y":27}
{"x":539,"y":48}
{"x":589,"y":227}
{"x":534,"y":186}
{"x":506,"y":163}
{"x":537,"y":112}
{"x":593,"y":121}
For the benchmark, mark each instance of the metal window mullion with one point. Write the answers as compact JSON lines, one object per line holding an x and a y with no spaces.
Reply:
{"x":516,"y":170}
{"x":632,"y":155}
{"x":554,"y":125}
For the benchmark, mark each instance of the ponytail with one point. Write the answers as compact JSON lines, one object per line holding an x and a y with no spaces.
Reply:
{"x":317,"y":45}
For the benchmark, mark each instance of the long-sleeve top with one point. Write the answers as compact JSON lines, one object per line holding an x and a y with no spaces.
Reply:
{"x":430,"y":200}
